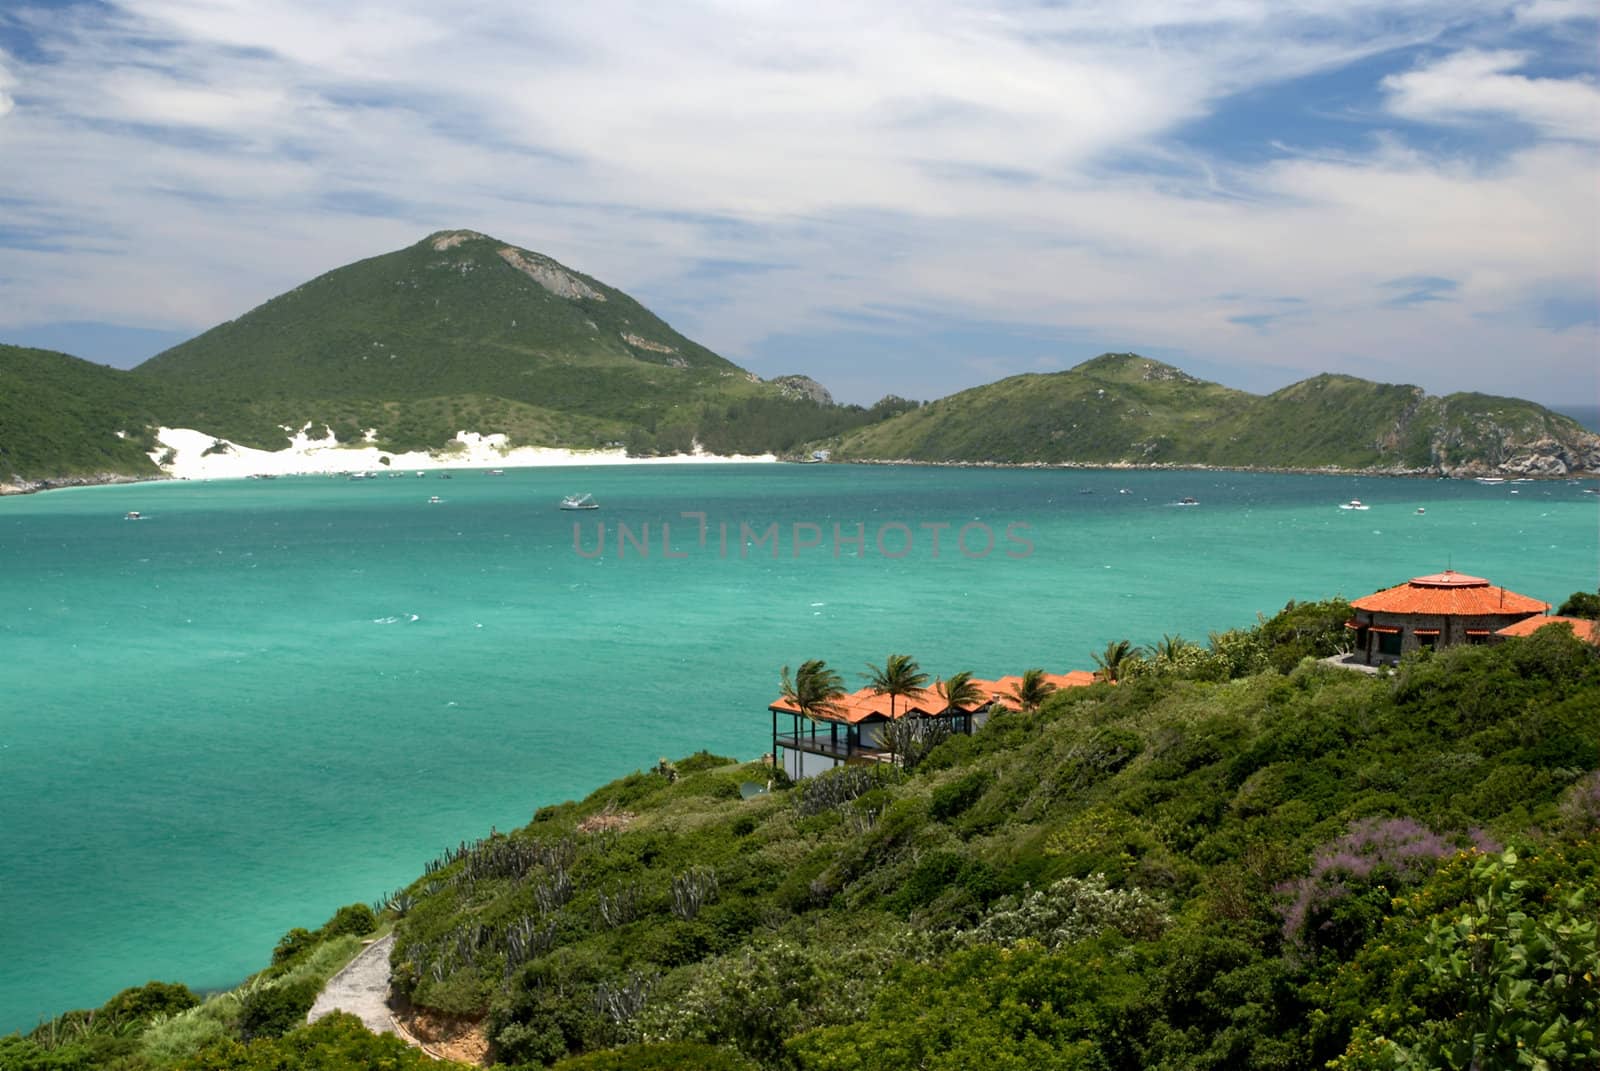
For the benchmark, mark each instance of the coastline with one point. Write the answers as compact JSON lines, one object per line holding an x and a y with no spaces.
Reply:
{"x":187,"y":454}
{"x":189,"y":460}
{"x":1464,"y":472}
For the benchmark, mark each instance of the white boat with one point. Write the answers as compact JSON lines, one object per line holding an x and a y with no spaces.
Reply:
{"x":497,"y":472}
{"x":1354,"y":503}
{"x":579,"y":502}
{"x":1187,"y":502}
{"x":1421,"y":510}
{"x":133,"y":515}
{"x":1490,"y":479}
{"x":434,"y":500}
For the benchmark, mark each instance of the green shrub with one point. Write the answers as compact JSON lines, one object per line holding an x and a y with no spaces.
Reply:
{"x":666,"y":1056}
{"x":1581,"y":604}
{"x":293,"y":943}
{"x":1071,"y":909}
{"x":270,"y":1011}
{"x":338,"y":1042}
{"x":953,"y":799}
{"x":356,"y":919}
{"x":151,"y":999}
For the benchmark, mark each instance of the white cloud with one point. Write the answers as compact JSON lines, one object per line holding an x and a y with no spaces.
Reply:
{"x":1475,"y":83}
{"x":943,"y":159}
{"x":1547,"y":11}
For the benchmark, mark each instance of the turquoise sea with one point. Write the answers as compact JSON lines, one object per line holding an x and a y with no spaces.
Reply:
{"x":270,"y":698}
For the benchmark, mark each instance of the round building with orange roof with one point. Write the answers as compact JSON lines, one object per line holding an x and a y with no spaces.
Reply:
{"x":1434,"y":611}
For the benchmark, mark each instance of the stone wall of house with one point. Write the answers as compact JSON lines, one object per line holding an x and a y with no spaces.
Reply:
{"x":1452,"y":628}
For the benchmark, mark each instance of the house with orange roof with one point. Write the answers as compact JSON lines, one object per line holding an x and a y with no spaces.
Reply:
{"x":1434,"y":611}
{"x":854,"y":729}
{"x":1582,"y":627}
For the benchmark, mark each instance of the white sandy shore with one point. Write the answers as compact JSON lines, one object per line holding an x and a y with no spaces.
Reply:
{"x":188,"y":459}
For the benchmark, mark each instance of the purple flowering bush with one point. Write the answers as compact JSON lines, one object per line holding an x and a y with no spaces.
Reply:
{"x":1352,"y":878}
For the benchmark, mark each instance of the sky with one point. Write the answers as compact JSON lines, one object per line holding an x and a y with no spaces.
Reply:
{"x":889,"y":197}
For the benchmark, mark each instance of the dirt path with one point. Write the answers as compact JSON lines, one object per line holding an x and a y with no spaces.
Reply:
{"x":362,"y":989}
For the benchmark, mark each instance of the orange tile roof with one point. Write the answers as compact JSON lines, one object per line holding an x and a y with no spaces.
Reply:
{"x":1449,"y":592}
{"x":863,"y":704}
{"x":1581,"y":628}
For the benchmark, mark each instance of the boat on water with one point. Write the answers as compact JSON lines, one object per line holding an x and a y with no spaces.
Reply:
{"x":1489,"y":479}
{"x":434,"y":500}
{"x":579,"y":502}
{"x":1187,"y":502}
{"x":133,"y":515}
{"x":497,"y":472}
{"x":1421,"y":510}
{"x":1354,"y":503}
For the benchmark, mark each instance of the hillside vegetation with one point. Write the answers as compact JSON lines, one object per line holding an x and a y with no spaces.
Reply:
{"x":60,"y":416}
{"x":1123,"y":408}
{"x":459,"y":332}
{"x":463,"y":331}
{"x":1234,"y":857}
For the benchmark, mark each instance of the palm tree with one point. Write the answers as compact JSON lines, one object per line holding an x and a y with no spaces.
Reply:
{"x":814,"y":689}
{"x":1032,"y":690}
{"x":1170,"y":648}
{"x":959,"y":691}
{"x":898,"y":676}
{"x":1115,"y":662}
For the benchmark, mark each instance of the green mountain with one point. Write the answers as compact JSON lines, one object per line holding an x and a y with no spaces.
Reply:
{"x":458,"y":332}
{"x":63,"y":417}
{"x":1234,"y":857}
{"x":463,"y":331}
{"x":1123,"y":408}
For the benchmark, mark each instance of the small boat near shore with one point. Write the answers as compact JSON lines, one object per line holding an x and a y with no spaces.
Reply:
{"x":1354,"y":503}
{"x":579,"y":502}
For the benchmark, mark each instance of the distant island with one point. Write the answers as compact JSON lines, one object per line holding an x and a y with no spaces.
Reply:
{"x":463,"y":335}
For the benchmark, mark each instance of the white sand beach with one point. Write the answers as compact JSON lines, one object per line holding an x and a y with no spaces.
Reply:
{"x":183,"y":454}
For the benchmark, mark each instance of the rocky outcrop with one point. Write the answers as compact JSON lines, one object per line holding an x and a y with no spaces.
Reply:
{"x":1545,"y":456}
{"x":803,"y":387}
{"x":17,"y":485}
{"x":548,"y":274}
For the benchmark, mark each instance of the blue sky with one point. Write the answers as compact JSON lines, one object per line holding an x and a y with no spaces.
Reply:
{"x":891,"y":198}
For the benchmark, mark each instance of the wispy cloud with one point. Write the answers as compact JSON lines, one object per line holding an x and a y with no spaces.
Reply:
{"x":1016,"y":166}
{"x":1475,"y":83}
